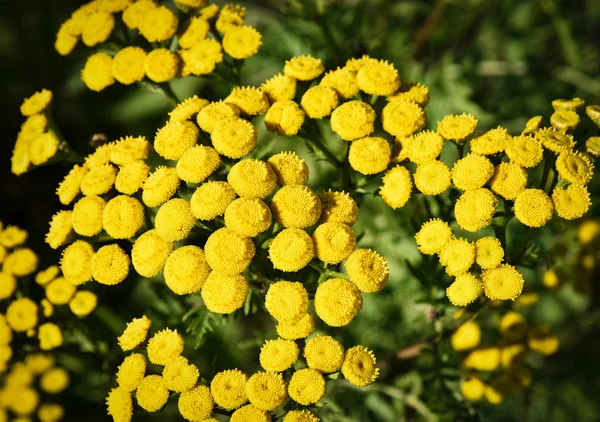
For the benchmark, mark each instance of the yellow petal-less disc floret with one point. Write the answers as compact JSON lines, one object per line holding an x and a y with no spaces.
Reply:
{"x":432,"y":178}
{"x":297,"y":330}
{"x":287,"y":301}
{"x":532,"y":125}
{"x":196,"y":404}
{"x":291,"y":250}
{"x":567,"y":104}
{"x":98,"y":180}
{"x":466,"y":337}
{"x":128,"y":65}
{"x":266,"y":390}
{"x":174,"y":220}
{"x":227,"y":252}
{"x":242,"y":42}
{"x":135,"y":333}
{"x":21,"y":315}
{"x":433,"y":236}
{"x":129,"y":149}
{"x":541,"y":340}
{"x":234,"y":137}
{"x":334,"y":242}
{"x":343,"y":81}
{"x":12,"y":236}
{"x":230,"y":17}
{"x":87,"y":215}
{"x":21,"y":262}
{"x":97,"y":72}
{"x":472,"y":388}
{"x":179,"y":375}
{"x":46,"y":276}
{"x":353,"y":120}
{"x":196,"y":31}
{"x":250,"y":413}
{"x":131,"y":371}
{"x":483,"y":359}
{"x":300,"y":416}
{"x":592,"y":146}
{"x":533,"y":207}
{"x":149,"y":253}
{"x":324,"y":353}
{"x":202,"y":58}
{"x":319,"y":101}
{"x":571,"y":202}
{"x":307,"y":386}
{"x":488,"y":252}
{"x":564,"y":120}
{"x":83,"y":303}
{"x":250,"y":100}
{"x":211,"y":200}
{"x":70,"y":185}
{"x":100,"y":156}
{"x":50,"y":336}
{"x":37,"y":103}
{"x":119,"y":403}
{"x":110,"y":265}
{"x":475,"y":209}
{"x":279,"y":88}
{"x":252,"y":178}
{"x":123,"y":217}
{"x":65,"y":41}
{"x":303,"y":68}
{"x":425,"y":146}
{"x":525,"y":151}
{"x":61,"y":229}
{"x":504,"y":282}
{"x":378,"y":78}
{"x":131,"y":177}
{"x":159,"y":24}
{"x":296,"y":206}
{"x":337,"y":301}
{"x":248,"y":217}
{"x":555,"y":141}
{"x":457,"y":128}
{"x":59,"y":291}
{"x":512,"y":325}
{"x":214,"y":113}
{"x":76,"y":262}
{"x":491,"y":142}
{"x":188,"y":109}
{"x":396,"y":188}
{"x":359,"y":367}
{"x":98,"y":27}
{"x":338,"y":206}
{"x":228,"y":389}
{"x":43,"y":148}
{"x":457,"y":256}
{"x":472,"y":172}
{"x":54,"y":380}
{"x":152,"y":394}
{"x":284,"y":117}
{"x":186,"y":270}
{"x":289,"y":168}
{"x":197,"y":163}
{"x":165,"y":346}
{"x":370,"y":155}
{"x":509,"y":180}
{"x":368,"y":270}
{"x":8,"y":284}
{"x":175,"y":138}
{"x":50,"y":412}
{"x":402,"y":118}
{"x":575,"y":167}
{"x":278,"y":355}
{"x":160,"y":186}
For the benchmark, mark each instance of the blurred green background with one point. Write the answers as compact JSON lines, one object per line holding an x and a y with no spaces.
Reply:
{"x":502,"y":60}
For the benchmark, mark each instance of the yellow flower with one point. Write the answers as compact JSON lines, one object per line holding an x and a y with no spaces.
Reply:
{"x":242,"y":42}
{"x":98,"y":27}
{"x":532,"y":125}
{"x":266,"y":390}
{"x":250,"y":100}
{"x":128,"y":65}
{"x":174,"y":220}
{"x":250,"y":413}
{"x":279,"y":88}
{"x":22,"y":400}
{"x":512,"y":355}
{"x":119,"y":403}
{"x":65,"y":41}
{"x":542,"y":340}
{"x":151,"y":393}
{"x":287,"y":301}
{"x":248,"y":217}
{"x":432,"y":178}
{"x":8,"y":284}
{"x":475,"y":209}
{"x":502,"y":283}
{"x":334,"y":242}
{"x":61,"y":229}
{"x":338,"y":206}
{"x":227,"y":252}
{"x":533,"y":207}
{"x":98,"y":180}
{"x":158,"y":24}
{"x":592,"y":146}
{"x":466,"y":337}
{"x":160,"y":186}
{"x":187,"y":109}
{"x":100,"y":156}
{"x":50,"y":412}
{"x":21,"y":314}
{"x":76,"y":262}
{"x":83,"y":303}
{"x":565,"y":104}
{"x":123,"y":217}
{"x":297,"y":330}
{"x":33,"y":126}
{"x":97,"y":72}
{"x":491,"y":142}
{"x":528,"y":299}
{"x":588,"y":231}
{"x":69,"y":187}
{"x":353,"y":120}
{"x":593,"y":112}
{"x":303,"y":68}
{"x":202,"y":58}
{"x":179,"y":375}
{"x":319,"y":101}
{"x":555,"y":141}
{"x":402,"y":118}
{"x":337,"y":301}
{"x":231,"y":16}
{"x":457,"y":256}
{"x":564,"y":120}
{"x":21,"y":262}
{"x":296,"y":206}
{"x":300,"y":416}
{"x":397,"y":187}
{"x":291,"y":250}
{"x":186,"y":270}
{"x":472,"y":388}
{"x":512,"y":325}
{"x":369,"y":155}
{"x":196,"y":31}
{"x":289,"y":168}
{"x":359,"y":367}
{"x":485,"y":359}
{"x":43,"y":148}
{"x":134,"y":14}
{"x":6,"y":332}
{"x":509,"y":180}
{"x":551,"y":279}
{"x":575,"y":167}
{"x":54,"y":380}
{"x":196,"y":404}
{"x":324,"y":354}
{"x":278,"y":355}
{"x":464,"y":290}
{"x":378,"y":78}
{"x":211,"y":200}
{"x":175,"y":138}
{"x":50,"y":336}
{"x":110,"y":265}
{"x":135,"y":333}
{"x":252,"y":178}
{"x":87,"y":215}
{"x":165,"y":346}
{"x":425,"y":146}
{"x":149,"y":254}
{"x":224,"y":294}
{"x":12,"y":236}
{"x":472,"y":172}
{"x":228,"y":389}
{"x":571,"y":202}
{"x":415,"y":92}
{"x":457,"y":128}
{"x":368,"y":270}
{"x":161,"y":65}
{"x":60,"y":291}
{"x":307,"y":386}
{"x":343,"y":81}
{"x":131,"y":177}
{"x":131,"y":371}
{"x":37,"y":103}
{"x":488,"y":252}
{"x":525,"y":151}
{"x":233,"y":137}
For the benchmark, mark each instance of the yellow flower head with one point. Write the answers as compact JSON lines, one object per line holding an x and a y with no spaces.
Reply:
{"x":33,"y":126}
{"x":289,"y":168}
{"x":196,"y":404}
{"x":65,"y":41}
{"x":131,"y":372}
{"x":378,"y":78}
{"x":159,"y":24}
{"x":123,"y":217}
{"x":69,"y":187}
{"x":303,"y":68}
{"x":110,"y":265}
{"x":224,"y":294}
{"x":512,"y":355}
{"x":513,"y":326}
{"x":233,"y":137}
{"x":425,"y":146}
{"x":252,"y":178}
{"x":502,"y":283}
{"x":509,"y":180}
{"x":54,"y":380}
{"x":353,"y":120}
{"x":278,"y":355}
{"x":402,"y":118}
{"x":359,"y":367}
{"x":337,"y":301}
{"x":368,"y":270}
{"x":165,"y":346}
{"x":76,"y":262}
{"x":98,"y":180}
{"x":61,"y":229}
{"x":174,"y":220}
{"x":532,"y":125}
{"x":59,"y":291}
{"x":186,"y":270}
{"x":324,"y":354}
{"x":415,"y":92}
{"x":160,"y":186}
{"x":227,"y":252}
{"x":8,"y":284}
{"x":197,"y":30}
{"x":525,"y":151}
{"x":397,"y":187}
{"x":307,"y":386}
{"x":100,"y":156}
{"x":369,"y":155}
{"x":296,"y":206}
{"x":334,"y":242}
{"x":472,"y":172}
{"x":175,"y":138}
{"x":188,"y":109}
{"x":343,"y":81}
{"x":202,"y":58}
{"x":131,"y":177}
{"x":564,"y":120}
{"x":571,"y":202}
{"x":197,"y":163}
{"x":475,"y":209}
{"x":21,"y":314}
{"x":319,"y":101}
{"x":83,"y":303}
{"x":592,"y":146}
{"x":488,"y":252}
{"x":37,"y":103}
{"x":575,"y":167}
{"x":129,"y":149}
{"x":551,"y":279}
{"x":472,"y":388}
{"x":297,"y":330}
{"x":231,"y":16}
{"x":128,"y":65}
{"x":87,"y":215}
{"x":119,"y":403}
{"x":555,"y":141}
{"x":50,"y":412}
{"x":279,"y":88}
{"x":457,"y":256}
{"x":161,"y":65}
{"x":43,"y":148}
{"x":491,"y":142}
{"x":98,"y":27}
{"x":242,"y":42}
{"x":464,"y":290}
{"x":300,"y":416}
{"x":457,"y":128}
{"x":179,"y":375}
{"x":151,"y":393}
{"x":97,"y":72}
{"x":287,"y":301}
{"x":484,"y":359}
{"x":134,"y":14}
{"x":593,"y":112}
{"x":250,"y":100}
{"x":566,"y":104}
{"x":250,"y":413}
{"x":248,"y":216}
{"x":149,"y":254}
{"x":211,"y":200}
{"x":21,"y":262}
{"x":588,"y":232}
{"x":338,"y":206}
{"x":432,"y":178}
{"x":228,"y":389}
{"x":266,"y":390}
{"x":466,"y":337}
{"x":135,"y":333}
{"x":50,"y":336}
{"x":533,"y":207}
{"x":12,"y":236}
{"x":542,"y":340}
{"x":39,"y":363}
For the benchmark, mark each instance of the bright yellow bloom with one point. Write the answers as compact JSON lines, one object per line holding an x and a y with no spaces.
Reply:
{"x":491,"y":142}
{"x":425,"y":146}
{"x":300,"y":416}
{"x":174,"y":220}
{"x":250,"y":413}
{"x":279,"y":88}
{"x":504,"y":282}
{"x":202,"y":58}
{"x":36,"y":103}
{"x":131,"y":371}
{"x":359,"y":367}
{"x":307,"y":386}
{"x":98,"y":27}
{"x":475,"y":209}
{"x":98,"y":180}
{"x":135,"y":333}
{"x":588,"y":231}
{"x":50,"y":336}
{"x":370,"y":155}
{"x":61,"y":229}
{"x":131,"y":177}
{"x":12,"y":236}
{"x":343,"y":81}
{"x":472,"y":172}
{"x":8,"y":284}
{"x":97,"y":72}
{"x":368,"y":270}
{"x":179,"y":375}
{"x":296,"y":206}
{"x":533,"y":207}
{"x":512,"y":325}
{"x":119,"y":403}
{"x":324,"y":353}
{"x":227,"y":252}
{"x":565,"y":104}
{"x":21,"y":262}
{"x":337,"y":301}
{"x":378,"y":78}
{"x":571,"y":202}
{"x":592,"y":146}
{"x":230,"y":17}
{"x":472,"y":388}
{"x":43,"y":148}
{"x":551,"y":279}
{"x":564,"y":120}
{"x":542,"y":340}
{"x":464,"y":290}
{"x":151,"y":393}
{"x":396,"y":188}
{"x":303,"y":68}
{"x":21,"y":314}
{"x":69,"y":187}
{"x":60,"y":291}
{"x":175,"y":138}
{"x":164,"y":346}
{"x":509,"y":180}
{"x":252,"y":178}
{"x":334,"y":242}
{"x":248,"y":217}
{"x":196,"y":31}
{"x":485,"y":359}
{"x":402,"y":118}
{"x":415,"y":92}
{"x":110,"y":265}
{"x":186,"y":270}
{"x":65,"y":41}
{"x":297,"y":330}
{"x":466,"y":337}
{"x":488,"y":252}
{"x":188,"y":108}
{"x":287,"y":301}
{"x":353,"y":120}
{"x":532,"y":125}
{"x":266,"y":390}
{"x":233,"y":137}
{"x":432,"y":178}
{"x":457,"y":128}
{"x":525,"y":151}
{"x":250,"y":100}
{"x":278,"y":355}
{"x":528,"y":299}
{"x":228,"y":389}
{"x":159,"y":24}
{"x":83,"y":303}
{"x":50,"y":412}
{"x":319,"y":101}
{"x":555,"y":141}
{"x":291,"y":250}
{"x":575,"y":167}
{"x":123,"y":217}
{"x":100,"y":156}
{"x":211,"y":200}
{"x":54,"y":380}
{"x":161,"y":65}
{"x":76,"y":262}
{"x":128,"y":65}
{"x":289,"y":168}
{"x":196,"y":404}
{"x":457,"y":256}
{"x":338,"y":206}
{"x":160,"y":186}
{"x":224,"y":294}
{"x":149,"y":254}
{"x":512,"y":355}
{"x":242,"y":42}
{"x":134,"y":14}
{"x":87,"y":215}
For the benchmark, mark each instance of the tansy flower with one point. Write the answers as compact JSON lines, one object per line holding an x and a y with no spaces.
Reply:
{"x":227,"y":252}
{"x":12,"y":236}
{"x":242,"y":42}
{"x":402,"y":118}
{"x":307,"y":386}
{"x":359,"y":367}
{"x":174,"y":220}
{"x":457,"y":128}
{"x":528,"y":299}
{"x":593,"y":112}
{"x":100,"y":156}
{"x":541,"y":340}
{"x":211,"y":200}
{"x":179,"y":375}
{"x":250,"y":413}
{"x":131,"y":371}
{"x":291,"y":250}
{"x":252,"y":178}
{"x":131,"y":177}
{"x":98,"y":27}
{"x":300,"y":416}
{"x":97,"y":72}
{"x":60,"y":291}
{"x":231,"y":16}
{"x":457,"y":256}
{"x":472,"y":388}
{"x":86,"y":217}
{"x":503,"y":282}
{"x":512,"y":325}
{"x":248,"y":216}
{"x":368,"y":270}
{"x":165,"y":346}
{"x":233,"y":137}
{"x":50,"y":412}
{"x":278,"y":355}
{"x":337,"y":301}
{"x":186,"y":270}
{"x":334,"y":242}
{"x":488,"y":252}
{"x":160,"y":186}
{"x":76,"y":262}
{"x":151,"y":393}
{"x":37,"y":103}
{"x":484,"y":359}
{"x":54,"y":380}
{"x":33,"y":126}
{"x":566,"y":104}
{"x":353,"y":120}
{"x":149,"y":253}
{"x":196,"y":31}
{"x":343,"y":81}
{"x":196,"y":404}
{"x":228,"y":389}
{"x":303,"y":68}
{"x":296,"y":330}
{"x":8,"y":284}
{"x":338,"y":206}
{"x":396,"y":188}
{"x":128,"y":65}
{"x":61,"y":229}
{"x":21,"y":262}
{"x":378,"y":78}
{"x":525,"y":151}
{"x":119,"y":403}
{"x":324,"y":354}
{"x":296,"y":206}
{"x":564,"y":120}
{"x":571,"y":202}
{"x":43,"y":148}
{"x":532,"y":125}
{"x":533,"y":207}
{"x":110,"y":265}
{"x":551,"y":279}
{"x":466,"y":337}
{"x":592,"y":146}
{"x":464,"y":290}
{"x":188,"y":108}
{"x":425,"y":146}
{"x":432,"y":178}
{"x":250,"y":100}
{"x":555,"y":141}
{"x":159,"y":24}
{"x":512,"y":355}
{"x":575,"y":167}
{"x":21,"y":314}
{"x":135,"y":333}
{"x":83,"y":303}
{"x":415,"y":92}
{"x":134,"y":14}
{"x":370,"y":155}
{"x":161,"y":65}
{"x":472,"y":172}
{"x":129,"y":149}
{"x":319,"y":101}
{"x":175,"y":138}
{"x":98,"y":180}
{"x":588,"y":231}
{"x":491,"y":142}
{"x":123,"y":217}
{"x":266,"y":390}
{"x":224,"y":294}
{"x":287,"y":301}
{"x":509,"y":180}
{"x":65,"y":41}
{"x":279,"y":88}
{"x":289,"y":168}
{"x":50,"y":336}
{"x":202,"y":58}
{"x":475,"y":209}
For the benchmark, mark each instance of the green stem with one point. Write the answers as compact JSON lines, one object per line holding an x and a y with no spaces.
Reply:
{"x":169,"y":93}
